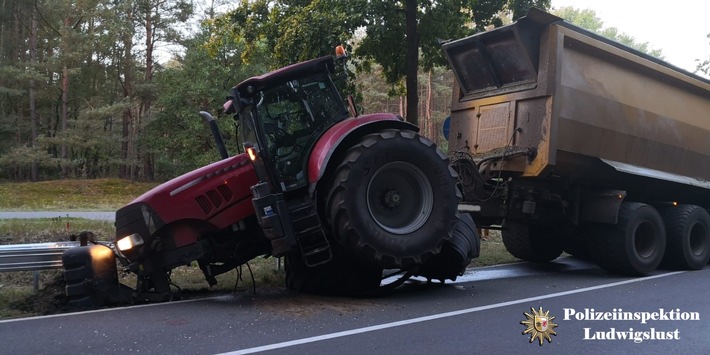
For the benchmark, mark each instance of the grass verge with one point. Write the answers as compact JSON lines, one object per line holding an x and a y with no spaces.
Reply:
{"x":493,"y":252}
{"x":19,"y":299}
{"x":70,"y":195}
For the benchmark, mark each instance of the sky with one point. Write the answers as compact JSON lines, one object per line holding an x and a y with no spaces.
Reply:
{"x":679,"y":28}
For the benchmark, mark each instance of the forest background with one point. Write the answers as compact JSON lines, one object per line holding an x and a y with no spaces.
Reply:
{"x":111,"y":88}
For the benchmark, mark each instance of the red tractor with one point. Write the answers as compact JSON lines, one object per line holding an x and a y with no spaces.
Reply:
{"x":341,"y":198}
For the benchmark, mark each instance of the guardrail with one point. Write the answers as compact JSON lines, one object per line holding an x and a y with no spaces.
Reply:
{"x":33,"y":257}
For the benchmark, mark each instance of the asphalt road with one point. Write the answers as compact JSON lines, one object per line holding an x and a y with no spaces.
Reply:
{"x":479,"y":314}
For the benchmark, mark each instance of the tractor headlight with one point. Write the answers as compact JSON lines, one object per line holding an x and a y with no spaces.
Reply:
{"x":129,"y":242}
{"x":251,"y":151}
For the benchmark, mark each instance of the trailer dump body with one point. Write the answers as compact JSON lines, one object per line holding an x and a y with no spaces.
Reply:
{"x":569,"y":92}
{"x":554,"y":127}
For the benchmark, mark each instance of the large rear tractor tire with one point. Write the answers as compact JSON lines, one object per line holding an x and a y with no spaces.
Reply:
{"x":341,"y":276}
{"x":635,"y":245}
{"x":392,"y":201}
{"x":532,"y":242}
{"x":456,"y":254}
{"x":688,"y":233}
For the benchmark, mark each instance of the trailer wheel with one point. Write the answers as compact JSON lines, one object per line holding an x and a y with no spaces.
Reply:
{"x":342,"y":276}
{"x":688,"y":233}
{"x":456,"y":254}
{"x":393,"y":199}
{"x":635,"y":245}
{"x":532,"y":242}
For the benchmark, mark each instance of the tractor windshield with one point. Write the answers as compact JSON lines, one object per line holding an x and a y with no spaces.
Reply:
{"x":293,"y":115}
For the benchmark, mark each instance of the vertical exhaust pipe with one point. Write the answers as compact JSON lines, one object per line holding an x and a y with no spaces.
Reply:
{"x":215,"y":133}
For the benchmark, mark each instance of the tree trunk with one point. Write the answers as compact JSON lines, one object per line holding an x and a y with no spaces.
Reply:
{"x":148,"y":103}
{"x":402,"y":110}
{"x":125,"y":170}
{"x":430,"y":124}
{"x":3,"y":10}
{"x":33,"y":102}
{"x":64,"y":118}
{"x":412,"y":60}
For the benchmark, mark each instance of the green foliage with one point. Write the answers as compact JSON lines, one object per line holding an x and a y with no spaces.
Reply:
{"x":518,"y":8}
{"x":586,"y":18}
{"x":296,"y":30}
{"x":178,"y":136}
{"x":119,"y":112}
{"x":385,"y":42}
{"x":390,"y":43}
{"x":291,"y":31}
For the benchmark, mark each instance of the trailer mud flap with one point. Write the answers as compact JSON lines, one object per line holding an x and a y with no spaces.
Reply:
{"x":602,"y":206}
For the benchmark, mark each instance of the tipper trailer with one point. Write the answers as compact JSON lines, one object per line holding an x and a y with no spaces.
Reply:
{"x":566,"y":140}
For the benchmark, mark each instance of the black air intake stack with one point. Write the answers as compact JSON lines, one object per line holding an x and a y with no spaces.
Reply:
{"x":215,"y":133}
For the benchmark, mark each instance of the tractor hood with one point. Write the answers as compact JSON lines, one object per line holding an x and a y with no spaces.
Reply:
{"x":218,"y":193}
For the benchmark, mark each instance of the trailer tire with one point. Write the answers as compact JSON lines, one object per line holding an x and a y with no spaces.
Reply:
{"x":635,"y":245}
{"x":456,"y":254}
{"x":393,"y":200}
{"x":688,"y":237}
{"x":534,"y":243}
{"x":341,"y":276}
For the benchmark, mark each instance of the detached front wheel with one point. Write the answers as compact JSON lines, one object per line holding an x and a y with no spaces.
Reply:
{"x":392,"y":201}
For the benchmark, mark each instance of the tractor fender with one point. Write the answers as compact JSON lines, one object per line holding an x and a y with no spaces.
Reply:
{"x":339,"y":138}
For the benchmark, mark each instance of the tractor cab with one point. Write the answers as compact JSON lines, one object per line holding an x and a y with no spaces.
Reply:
{"x":283,"y":113}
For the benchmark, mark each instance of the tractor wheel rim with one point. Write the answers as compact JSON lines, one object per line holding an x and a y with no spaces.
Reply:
{"x":399,"y":197}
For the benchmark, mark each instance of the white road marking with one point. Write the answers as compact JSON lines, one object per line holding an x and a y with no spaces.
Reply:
{"x":439,"y":316}
{"x":109,"y":309}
